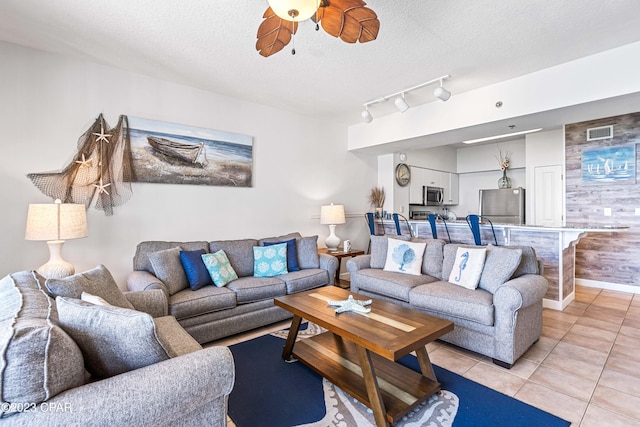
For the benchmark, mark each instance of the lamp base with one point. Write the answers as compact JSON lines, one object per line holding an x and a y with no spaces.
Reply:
{"x":332,"y":241}
{"x":56,"y":267}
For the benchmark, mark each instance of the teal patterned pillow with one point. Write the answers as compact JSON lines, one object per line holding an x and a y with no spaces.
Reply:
{"x":269,"y":261}
{"x":219,"y":268}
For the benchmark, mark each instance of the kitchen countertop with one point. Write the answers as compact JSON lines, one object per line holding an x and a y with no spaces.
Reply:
{"x":570,"y":227}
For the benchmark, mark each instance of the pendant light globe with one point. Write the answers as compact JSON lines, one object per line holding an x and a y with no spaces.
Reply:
{"x":294,"y":10}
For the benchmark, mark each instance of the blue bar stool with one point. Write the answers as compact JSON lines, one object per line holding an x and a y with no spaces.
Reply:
{"x":432,"y":221}
{"x":371,"y":223}
{"x":396,"y":219}
{"x":474,"y":224}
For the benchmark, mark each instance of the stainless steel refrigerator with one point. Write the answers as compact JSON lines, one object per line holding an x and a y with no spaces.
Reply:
{"x":504,"y":206}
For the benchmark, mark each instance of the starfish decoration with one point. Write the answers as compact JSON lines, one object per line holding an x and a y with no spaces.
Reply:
{"x":102,"y":136}
{"x":351,"y":304}
{"x":102,"y":188}
{"x":84,"y":162}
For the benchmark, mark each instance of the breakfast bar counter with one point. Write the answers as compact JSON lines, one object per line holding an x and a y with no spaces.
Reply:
{"x":555,"y":246}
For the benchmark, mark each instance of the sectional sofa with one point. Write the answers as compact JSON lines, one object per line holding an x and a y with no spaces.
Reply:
{"x":210,"y":312}
{"x":500,"y":318}
{"x":65,"y":361}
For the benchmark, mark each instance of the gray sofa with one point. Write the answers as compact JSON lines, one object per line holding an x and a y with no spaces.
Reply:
{"x":501,"y":318}
{"x":210,"y":313}
{"x":67,"y":362}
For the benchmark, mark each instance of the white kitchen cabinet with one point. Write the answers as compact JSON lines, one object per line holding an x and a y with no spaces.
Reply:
{"x":433,"y":178}
{"x":451,"y":189}
{"x":415,"y":186}
{"x":422,"y":177}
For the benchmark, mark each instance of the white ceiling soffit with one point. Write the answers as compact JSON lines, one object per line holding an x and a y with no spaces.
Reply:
{"x":211,"y":45}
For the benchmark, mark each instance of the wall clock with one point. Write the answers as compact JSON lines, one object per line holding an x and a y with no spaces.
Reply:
{"x":403,"y":174}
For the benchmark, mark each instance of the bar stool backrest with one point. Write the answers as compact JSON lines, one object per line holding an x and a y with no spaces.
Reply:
{"x":474,"y":224}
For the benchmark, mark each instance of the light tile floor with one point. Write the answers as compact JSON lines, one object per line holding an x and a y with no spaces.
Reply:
{"x":585,"y":368}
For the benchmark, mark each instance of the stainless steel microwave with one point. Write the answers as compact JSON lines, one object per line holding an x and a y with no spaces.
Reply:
{"x":433,"y":196}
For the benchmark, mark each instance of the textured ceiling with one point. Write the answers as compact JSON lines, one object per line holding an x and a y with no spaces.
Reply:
{"x":210,"y":44}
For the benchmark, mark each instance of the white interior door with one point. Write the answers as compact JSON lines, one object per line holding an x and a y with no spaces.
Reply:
{"x":548,"y":207}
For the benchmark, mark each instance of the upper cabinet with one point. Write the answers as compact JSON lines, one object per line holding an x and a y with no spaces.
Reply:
{"x":451,"y":189}
{"x":422,"y":177}
{"x":433,"y":178}
{"x":415,"y":185}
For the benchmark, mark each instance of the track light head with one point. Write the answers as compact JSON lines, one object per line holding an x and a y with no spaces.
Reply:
{"x":442,"y":93}
{"x":366,"y":115}
{"x":401,"y":104}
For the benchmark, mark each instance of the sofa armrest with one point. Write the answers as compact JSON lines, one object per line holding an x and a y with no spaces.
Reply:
{"x":146,"y":396}
{"x":331,"y":264}
{"x":522,"y":291}
{"x":153,"y":302}
{"x":140,"y":280}
{"x":359,"y":262}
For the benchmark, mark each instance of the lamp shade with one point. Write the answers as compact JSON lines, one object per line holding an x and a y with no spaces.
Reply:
{"x":56,"y":221}
{"x":332,"y":214}
{"x":294,"y":10}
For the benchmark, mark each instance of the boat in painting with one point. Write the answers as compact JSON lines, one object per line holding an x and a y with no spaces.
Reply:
{"x":187,"y":153}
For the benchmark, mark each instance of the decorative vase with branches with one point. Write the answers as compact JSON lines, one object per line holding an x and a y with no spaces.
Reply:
{"x":504,"y":161}
{"x":376,"y":199}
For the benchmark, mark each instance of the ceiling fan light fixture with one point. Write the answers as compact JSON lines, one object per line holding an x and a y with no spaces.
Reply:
{"x":442,"y":93}
{"x":366,"y":115}
{"x":401,"y":103}
{"x":294,"y":10}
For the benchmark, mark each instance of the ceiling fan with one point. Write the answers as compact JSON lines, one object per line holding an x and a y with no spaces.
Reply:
{"x":350,"y":20}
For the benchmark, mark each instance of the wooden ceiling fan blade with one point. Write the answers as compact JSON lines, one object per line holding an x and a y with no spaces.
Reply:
{"x":369,"y":24}
{"x":346,"y":4}
{"x":353,"y":24}
{"x":274,"y":34}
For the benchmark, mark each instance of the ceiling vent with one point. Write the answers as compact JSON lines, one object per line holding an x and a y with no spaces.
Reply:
{"x":603,"y":132}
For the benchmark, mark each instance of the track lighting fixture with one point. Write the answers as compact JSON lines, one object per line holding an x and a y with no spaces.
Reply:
{"x":442,"y":93}
{"x":401,"y":102}
{"x":366,"y":115}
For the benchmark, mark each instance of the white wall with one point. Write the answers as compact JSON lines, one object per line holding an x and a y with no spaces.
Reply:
{"x":479,"y":168}
{"x":471,"y":183}
{"x":442,"y":158}
{"x":48,"y":101}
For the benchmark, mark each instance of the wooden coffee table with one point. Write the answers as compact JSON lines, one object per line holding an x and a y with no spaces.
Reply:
{"x":359,"y":351}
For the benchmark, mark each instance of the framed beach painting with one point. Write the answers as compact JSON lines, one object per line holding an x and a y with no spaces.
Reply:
{"x":609,"y":165}
{"x":170,"y":153}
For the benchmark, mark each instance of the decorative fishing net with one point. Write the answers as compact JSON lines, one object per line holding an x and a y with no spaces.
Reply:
{"x":101,"y":169}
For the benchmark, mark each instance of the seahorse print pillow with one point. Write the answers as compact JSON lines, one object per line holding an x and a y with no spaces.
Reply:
{"x":404,"y":257}
{"x":467,"y":268}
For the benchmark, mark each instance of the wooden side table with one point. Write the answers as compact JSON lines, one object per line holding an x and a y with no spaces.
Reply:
{"x":340,"y":254}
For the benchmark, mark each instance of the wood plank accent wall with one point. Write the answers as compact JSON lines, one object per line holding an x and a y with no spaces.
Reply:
{"x":605,"y":257}
{"x":547,"y":246}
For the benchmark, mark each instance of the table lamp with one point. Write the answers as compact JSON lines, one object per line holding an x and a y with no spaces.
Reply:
{"x":55,"y":223}
{"x":332,"y":215}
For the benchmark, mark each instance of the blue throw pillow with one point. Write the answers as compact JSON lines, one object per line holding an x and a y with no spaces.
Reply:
{"x":195,"y":269}
{"x":269,"y":261}
{"x":292,"y":254}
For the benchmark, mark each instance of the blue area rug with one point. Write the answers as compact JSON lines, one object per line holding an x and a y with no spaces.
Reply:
{"x":269,"y":392}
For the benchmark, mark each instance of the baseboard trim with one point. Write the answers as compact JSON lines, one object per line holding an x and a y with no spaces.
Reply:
{"x":608,"y":285}
{"x":558,"y":305}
